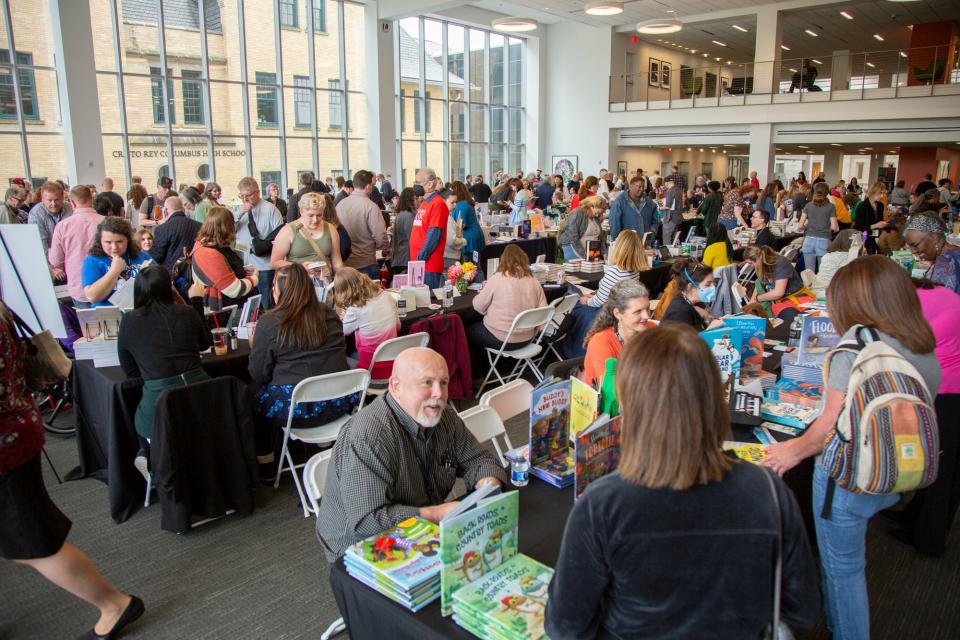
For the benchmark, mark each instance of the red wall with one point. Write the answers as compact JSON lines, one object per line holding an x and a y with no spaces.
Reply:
{"x":932,"y":34}
{"x":914,"y":163}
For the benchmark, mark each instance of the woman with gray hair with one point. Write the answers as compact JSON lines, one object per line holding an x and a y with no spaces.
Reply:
{"x":625,"y":314}
{"x":926,"y":236}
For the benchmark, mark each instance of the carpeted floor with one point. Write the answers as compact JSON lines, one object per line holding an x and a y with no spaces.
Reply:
{"x":265,"y":577}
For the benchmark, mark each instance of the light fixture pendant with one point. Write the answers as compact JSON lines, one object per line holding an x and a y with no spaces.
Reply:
{"x":512,"y":24}
{"x":603,"y":8}
{"x":657,"y":27}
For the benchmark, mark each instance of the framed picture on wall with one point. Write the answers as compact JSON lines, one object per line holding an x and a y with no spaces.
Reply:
{"x":565,"y":166}
{"x":666,"y":71}
{"x":653,"y":72}
{"x":621,"y":167}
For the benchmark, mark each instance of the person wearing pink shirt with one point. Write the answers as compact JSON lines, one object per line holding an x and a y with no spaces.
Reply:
{"x":71,"y":241}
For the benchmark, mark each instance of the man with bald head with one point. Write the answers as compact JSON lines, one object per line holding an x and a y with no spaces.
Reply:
{"x":176,"y":233}
{"x":399,"y":457}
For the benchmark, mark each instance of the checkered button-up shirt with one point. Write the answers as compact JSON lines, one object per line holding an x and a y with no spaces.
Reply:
{"x":678,"y":180}
{"x":385,"y":467}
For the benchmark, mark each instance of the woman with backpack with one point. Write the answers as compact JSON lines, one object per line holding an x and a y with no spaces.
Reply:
{"x":887,"y":347}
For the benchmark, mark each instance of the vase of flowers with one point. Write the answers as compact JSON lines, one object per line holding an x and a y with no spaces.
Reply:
{"x":461,"y":275}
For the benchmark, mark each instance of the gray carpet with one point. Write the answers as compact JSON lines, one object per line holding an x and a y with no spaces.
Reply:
{"x":265,"y":577}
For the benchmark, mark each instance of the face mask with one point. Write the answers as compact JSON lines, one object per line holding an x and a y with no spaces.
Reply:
{"x":706,"y":294}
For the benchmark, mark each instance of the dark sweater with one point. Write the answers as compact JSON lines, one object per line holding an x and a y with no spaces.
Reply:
{"x":710,"y":208}
{"x":680,"y":310}
{"x":271,"y":363}
{"x":765,"y":239}
{"x":658,"y":563}
{"x":163,"y":343}
{"x":177,"y":233}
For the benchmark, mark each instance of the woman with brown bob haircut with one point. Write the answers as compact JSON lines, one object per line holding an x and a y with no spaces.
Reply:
{"x":651,"y":550}
{"x":505,"y":294}
{"x":877,"y":293}
{"x":217,"y":266}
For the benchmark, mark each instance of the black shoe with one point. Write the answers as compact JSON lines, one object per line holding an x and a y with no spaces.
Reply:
{"x":267,"y":473}
{"x":130,"y":615}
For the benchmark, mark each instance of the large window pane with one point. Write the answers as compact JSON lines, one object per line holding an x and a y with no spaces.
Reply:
{"x":478,"y":71}
{"x":231,"y":166}
{"x":478,"y":163}
{"x":458,"y":161}
{"x":410,"y":160}
{"x":267,"y":109}
{"x":497,"y":152}
{"x":302,"y":102}
{"x":334,"y":105}
{"x":497,"y":124}
{"x":516,"y":72}
{"x":456,"y":65}
{"x":516,"y":126}
{"x":156,"y":93}
{"x":327,"y":47}
{"x":355,"y":48}
{"x":12,"y":152}
{"x":266,"y":159}
{"x":458,"y":116}
{"x":497,"y":55}
{"x":478,"y":123}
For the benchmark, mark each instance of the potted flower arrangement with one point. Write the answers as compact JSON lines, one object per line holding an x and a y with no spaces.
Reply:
{"x":461,"y":275}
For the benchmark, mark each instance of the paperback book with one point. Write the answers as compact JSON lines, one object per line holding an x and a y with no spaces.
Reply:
{"x":725,"y":344}
{"x":596,"y":452}
{"x":753,"y":330}
{"x":550,"y":455}
{"x":749,"y":451}
{"x":792,"y":415}
{"x":584,"y":401}
{"x":476,"y":542}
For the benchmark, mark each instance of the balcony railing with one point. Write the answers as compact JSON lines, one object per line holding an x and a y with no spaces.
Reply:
{"x":920,"y":71}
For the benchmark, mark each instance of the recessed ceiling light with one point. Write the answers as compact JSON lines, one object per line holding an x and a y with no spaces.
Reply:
{"x":693,"y":50}
{"x":717,"y":42}
{"x":701,"y":150}
{"x":869,"y":148}
{"x":834,"y":144}
{"x":903,"y":54}
{"x":739,"y":28}
{"x":846,"y":15}
{"x":512,"y":24}
{"x":705,"y":55}
{"x":811,"y":32}
{"x":729,"y":61}
{"x":871,"y":65}
{"x":785,"y":47}
{"x":793,"y":70}
{"x":656,"y":27}
{"x":803,"y":146}
{"x":878,"y":37}
{"x":689,"y":149}
{"x":603,"y":8}
{"x":817,"y":61}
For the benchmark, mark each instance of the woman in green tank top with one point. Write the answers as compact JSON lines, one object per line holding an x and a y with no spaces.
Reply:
{"x":309,"y":239}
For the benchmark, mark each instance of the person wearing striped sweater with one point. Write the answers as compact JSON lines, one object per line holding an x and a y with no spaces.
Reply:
{"x":217,"y":266}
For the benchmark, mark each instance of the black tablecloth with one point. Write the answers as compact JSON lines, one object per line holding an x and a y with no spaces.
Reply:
{"x":106,"y":402}
{"x":368,"y":614}
{"x":533,"y":247}
{"x":779,"y":242}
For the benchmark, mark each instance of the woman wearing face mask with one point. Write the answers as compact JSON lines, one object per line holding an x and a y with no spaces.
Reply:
{"x":113,"y":255}
{"x":625,"y":314}
{"x":691,"y":288}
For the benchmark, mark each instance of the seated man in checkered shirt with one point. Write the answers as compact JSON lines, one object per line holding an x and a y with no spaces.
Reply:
{"x":400,"y":456}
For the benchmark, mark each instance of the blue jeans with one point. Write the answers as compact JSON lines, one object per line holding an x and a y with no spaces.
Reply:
{"x":265,"y":288}
{"x":570,"y":252}
{"x":813,"y":249}
{"x":843,"y":563}
{"x":433,"y":280}
{"x":372,"y":271}
{"x":729,"y":224}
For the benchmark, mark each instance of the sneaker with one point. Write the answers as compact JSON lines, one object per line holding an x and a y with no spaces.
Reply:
{"x":143,"y":466}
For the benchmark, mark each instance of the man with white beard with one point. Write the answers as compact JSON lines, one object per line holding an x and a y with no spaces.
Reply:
{"x":399,"y":457}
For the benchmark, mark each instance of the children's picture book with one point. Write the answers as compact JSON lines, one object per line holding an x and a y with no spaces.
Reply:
{"x":557,"y":470}
{"x":792,"y":415}
{"x":551,"y":458}
{"x":594,"y":251}
{"x":749,"y":451}
{"x":725,"y":344}
{"x":817,"y":337}
{"x":476,"y":542}
{"x":536,"y":223}
{"x":792,"y":369}
{"x":405,"y":560}
{"x":596,"y":452}
{"x":767,"y":380}
{"x":753,"y":330}
{"x":805,"y":394}
{"x":584,"y":400}
{"x":415,"y":272}
{"x":509,"y":602}
{"x":525,"y":227}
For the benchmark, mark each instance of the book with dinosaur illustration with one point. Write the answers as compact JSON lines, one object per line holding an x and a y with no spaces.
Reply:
{"x":404,"y":561}
{"x":753,"y":330}
{"x":550,"y":456}
{"x":510,"y":602}
{"x":475,"y":542}
{"x":596,"y":452}
{"x":817,"y":337}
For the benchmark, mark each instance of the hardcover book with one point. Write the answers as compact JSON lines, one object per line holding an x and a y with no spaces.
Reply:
{"x":584,"y":400}
{"x":753,"y":330}
{"x":805,"y":394}
{"x":725,"y":345}
{"x":792,"y":415}
{"x":817,"y":337}
{"x":550,"y":455}
{"x":597,"y":452}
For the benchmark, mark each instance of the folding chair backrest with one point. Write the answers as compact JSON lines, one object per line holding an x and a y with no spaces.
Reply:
{"x":389,"y":349}
{"x":564,"y":368}
{"x":484,"y":423}
{"x":510,"y":400}
{"x":331,"y":386}
{"x":315,"y":478}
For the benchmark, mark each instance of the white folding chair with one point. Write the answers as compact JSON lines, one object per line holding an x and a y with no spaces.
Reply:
{"x":318,"y":389}
{"x":561,"y":307}
{"x":389,"y":350}
{"x":530,"y":319}
{"x":315,"y":478}
{"x":510,"y":400}
{"x":485,"y":424}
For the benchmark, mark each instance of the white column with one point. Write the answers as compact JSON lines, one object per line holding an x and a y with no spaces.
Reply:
{"x":840,"y":70}
{"x":762,"y":151}
{"x":533,"y":99}
{"x":767,"y":51}
{"x":77,"y":87}
{"x":833,"y":166}
{"x":381,"y":104}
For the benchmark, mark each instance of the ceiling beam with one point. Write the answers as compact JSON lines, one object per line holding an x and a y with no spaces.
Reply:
{"x":726,"y":14}
{"x":394,"y":9}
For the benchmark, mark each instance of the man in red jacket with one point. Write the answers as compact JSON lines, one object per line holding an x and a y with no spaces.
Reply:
{"x":428,"y":236}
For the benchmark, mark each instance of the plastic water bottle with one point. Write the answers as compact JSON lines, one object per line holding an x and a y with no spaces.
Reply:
{"x":402,"y":307}
{"x":519,"y":468}
{"x":796,"y":328}
{"x":447,"y":295}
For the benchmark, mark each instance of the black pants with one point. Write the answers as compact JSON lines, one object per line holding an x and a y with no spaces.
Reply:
{"x":933,"y":508}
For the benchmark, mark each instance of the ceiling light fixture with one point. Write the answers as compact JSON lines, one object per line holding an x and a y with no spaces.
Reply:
{"x":793,"y":70}
{"x":658,"y":27}
{"x":739,"y":28}
{"x":718,"y":43}
{"x":846,"y":15}
{"x":903,"y":54}
{"x":871,"y":65}
{"x":603,"y":8}
{"x":693,"y":50}
{"x":817,"y":61}
{"x":512,"y":24}
{"x":878,"y":37}
{"x":834,"y":144}
{"x":785,"y":47}
{"x":717,"y":58}
{"x":811,"y":32}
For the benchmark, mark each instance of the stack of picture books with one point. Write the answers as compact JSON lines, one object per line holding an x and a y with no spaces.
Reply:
{"x":805,"y":394}
{"x":789,"y":414}
{"x":792,"y":369}
{"x":402,"y":563}
{"x":596,"y":452}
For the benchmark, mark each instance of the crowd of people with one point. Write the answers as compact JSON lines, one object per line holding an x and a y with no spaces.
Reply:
{"x":399,"y":456}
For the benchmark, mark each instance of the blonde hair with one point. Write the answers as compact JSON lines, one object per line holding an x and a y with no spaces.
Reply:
{"x":594,"y":205}
{"x":353,"y":289}
{"x":628,"y":253}
{"x":766,"y":260}
{"x":310,"y":201}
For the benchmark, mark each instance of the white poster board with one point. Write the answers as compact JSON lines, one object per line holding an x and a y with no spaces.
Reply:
{"x":30,"y":295}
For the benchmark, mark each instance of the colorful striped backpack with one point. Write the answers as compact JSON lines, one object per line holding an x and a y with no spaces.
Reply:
{"x":886,"y":438}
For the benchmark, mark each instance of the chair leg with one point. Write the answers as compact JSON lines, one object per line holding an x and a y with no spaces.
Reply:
{"x":146,"y":497}
{"x":337,"y":626}
{"x":283,"y":452}
{"x":493,"y":369}
{"x":296,"y":482}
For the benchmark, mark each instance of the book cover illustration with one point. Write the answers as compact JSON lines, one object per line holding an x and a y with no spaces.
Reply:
{"x":549,"y":420}
{"x":594,"y":251}
{"x":725,"y":344}
{"x":805,"y":394}
{"x":475,"y":543}
{"x":584,"y":400}
{"x":749,"y":451}
{"x":510,"y":601}
{"x":406,"y":556}
{"x":792,"y":415}
{"x":536,"y":223}
{"x":753,"y":330}
{"x":557,"y":470}
{"x":597,"y":452}
{"x":817,"y":337}
{"x":767,"y":380}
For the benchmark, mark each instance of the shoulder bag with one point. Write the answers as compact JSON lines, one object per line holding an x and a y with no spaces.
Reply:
{"x":260,"y":246}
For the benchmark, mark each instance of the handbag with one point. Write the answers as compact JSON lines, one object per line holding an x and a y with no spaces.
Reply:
{"x":45,"y":363}
{"x":261,"y":246}
{"x":777,"y":630}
